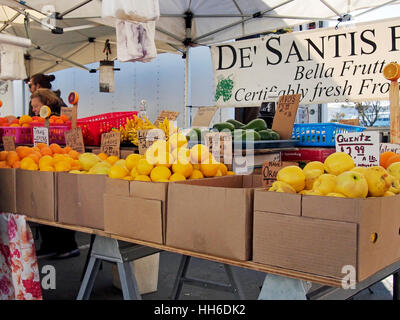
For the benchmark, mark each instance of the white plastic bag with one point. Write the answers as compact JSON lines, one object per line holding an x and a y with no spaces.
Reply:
{"x":131,"y":10}
{"x":135,"y":41}
{"x":12,"y":62}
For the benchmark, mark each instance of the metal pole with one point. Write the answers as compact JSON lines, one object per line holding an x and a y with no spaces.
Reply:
{"x":187,"y":87}
{"x":73,"y":8}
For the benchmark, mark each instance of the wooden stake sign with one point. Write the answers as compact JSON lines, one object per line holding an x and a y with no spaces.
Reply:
{"x":9,"y":143}
{"x":74,"y":139}
{"x":68,"y":112}
{"x":204,"y":116}
{"x":110,"y":143}
{"x":285,"y":115}
{"x":170,"y":115}
{"x":220,"y":145}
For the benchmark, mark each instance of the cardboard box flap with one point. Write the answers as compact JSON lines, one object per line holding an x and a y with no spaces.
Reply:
{"x":134,"y":218}
{"x":277,"y":202}
{"x":149,"y":190}
{"x":252,"y":181}
{"x":117,"y":187}
{"x":235,"y":181}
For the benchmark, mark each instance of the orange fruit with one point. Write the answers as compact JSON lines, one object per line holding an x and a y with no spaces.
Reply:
{"x":3,"y":164}
{"x":59,"y":121}
{"x":3,"y":155}
{"x":41,"y":145}
{"x":12,"y":157}
{"x":392,"y":159}
{"x":25,"y":119}
{"x":16,"y":165}
{"x":73,"y":154}
{"x":54,"y":118}
{"x":67,"y":149}
{"x":46,"y":161}
{"x":26,"y":125}
{"x":15,"y":121}
{"x":51,"y":121}
{"x":46,"y":151}
{"x":64,"y":118}
{"x":35,"y":149}
{"x":56,"y":148}
{"x":384,"y":157}
{"x":102,"y":156}
{"x":391,"y":71}
{"x":35,"y":157}
{"x":15,"y":125}
{"x":23,"y":151}
{"x":76,"y":165}
{"x":47,"y":169}
{"x":33,"y":167}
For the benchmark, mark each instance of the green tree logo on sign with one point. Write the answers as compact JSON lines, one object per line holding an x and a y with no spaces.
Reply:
{"x":224,"y":88}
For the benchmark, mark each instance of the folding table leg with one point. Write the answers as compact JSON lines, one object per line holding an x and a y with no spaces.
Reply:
{"x":283,"y":288}
{"x":235,"y":283}
{"x":130,"y":289}
{"x":396,"y":286}
{"x":182,"y":270}
{"x":89,"y":278}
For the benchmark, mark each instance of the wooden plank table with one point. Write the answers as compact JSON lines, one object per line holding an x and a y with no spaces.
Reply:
{"x":327,"y":281}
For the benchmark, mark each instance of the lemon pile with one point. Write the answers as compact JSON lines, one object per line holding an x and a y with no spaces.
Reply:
{"x":162,"y":162}
{"x":339,"y":177}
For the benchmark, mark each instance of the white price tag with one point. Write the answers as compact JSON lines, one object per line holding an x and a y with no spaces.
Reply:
{"x":363,"y":147}
{"x":40,"y":135}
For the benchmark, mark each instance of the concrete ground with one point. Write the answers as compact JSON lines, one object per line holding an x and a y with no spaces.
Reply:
{"x":69,"y":272}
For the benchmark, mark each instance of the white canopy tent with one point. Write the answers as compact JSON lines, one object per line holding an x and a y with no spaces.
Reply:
{"x":72,"y":33}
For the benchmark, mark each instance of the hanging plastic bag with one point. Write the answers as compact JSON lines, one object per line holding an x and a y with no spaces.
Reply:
{"x":131,"y":10}
{"x":135,"y":41}
{"x":12,"y":62}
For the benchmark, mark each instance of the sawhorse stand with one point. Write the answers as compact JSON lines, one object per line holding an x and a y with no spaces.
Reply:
{"x":181,"y":278}
{"x":121,"y":253}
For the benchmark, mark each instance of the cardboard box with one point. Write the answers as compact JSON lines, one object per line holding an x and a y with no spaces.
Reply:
{"x":36,"y":194}
{"x":136,"y":209}
{"x":8,"y":201}
{"x":326,"y":234}
{"x":213,"y":216}
{"x":80,"y":199}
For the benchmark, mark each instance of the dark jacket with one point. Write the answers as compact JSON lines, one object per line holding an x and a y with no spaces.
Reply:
{"x":56,"y":109}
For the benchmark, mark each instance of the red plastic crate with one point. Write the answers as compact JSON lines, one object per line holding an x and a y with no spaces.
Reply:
{"x":308,"y":154}
{"x":23,"y":135}
{"x":93,"y":127}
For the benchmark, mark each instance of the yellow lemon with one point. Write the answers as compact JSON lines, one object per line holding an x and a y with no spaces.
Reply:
{"x":165,"y":160}
{"x":199,"y":153}
{"x":46,"y":161}
{"x":129,"y":178}
{"x":338,"y":162}
{"x":294,"y":176}
{"x":132,"y":160}
{"x":118,"y":172}
{"x":121,"y":162}
{"x":160,"y":173}
{"x":177,"y":140}
{"x":280,"y":186}
{"x":314,"y":165}
{"x":379,"y":181}
{"x":218,"y":174}
{"x":177,"y":177}
{"x":26,"y":163}
{"x":196,"y":174}
{"x":134,"y":173}
{"x":112,"y":159}
{"x":388,"y":194}
{"x":47,"y":168}
{"x":325,"y":183}
{"x":311,"y":193}
{"x":141,"y":177}
{"x":196,"y":166}
{"x":394,"y":170}
{"x":76,"y":172}
{"x":62,"y":166}
{"x":144,"y":167}
{"x":102,"y":156}
{"x":186,"y":169}
{"x":352,"y":184}
{"x":311,"y":176}
{"x":87,"y":160}
{"x":223,"y":168}
{"x":336,"y":194}
{"x":230,"y":173}
{"x":33,"y":167}
{"x":183,"y":155}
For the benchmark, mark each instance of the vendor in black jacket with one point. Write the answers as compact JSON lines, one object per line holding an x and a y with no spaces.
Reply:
{"x":42,"y":81}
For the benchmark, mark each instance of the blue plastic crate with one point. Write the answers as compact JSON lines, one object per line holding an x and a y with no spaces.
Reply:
{"x":320,"y":134}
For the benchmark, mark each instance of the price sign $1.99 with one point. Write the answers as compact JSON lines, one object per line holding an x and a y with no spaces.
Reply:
{"x":363,"y":147}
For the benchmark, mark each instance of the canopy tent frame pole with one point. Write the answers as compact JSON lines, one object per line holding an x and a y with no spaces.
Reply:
{"x":374,"y":8}
{"x":61,"y":15}
{"x":7,"y":23}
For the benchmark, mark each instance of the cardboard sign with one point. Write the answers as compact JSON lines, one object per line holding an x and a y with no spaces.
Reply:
{"x":9,"y":143}
{"x":220,"y":145}
{"x":170,"y":115}
{"x":285,"y":115}
{"x":68,"y":112}
{"x":110,"y":143}
{"x":40,"y":135}
{"x":363,"y":147}
{"x":74,"y":139}
{"x":385,"y":147}
{"x":147,"y":137}
{"x":204,"y":116}
{"x":271,"y":168}
{"x":352,"y":122}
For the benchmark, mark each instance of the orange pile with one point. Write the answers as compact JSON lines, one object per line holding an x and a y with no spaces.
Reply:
{"x":41,"y":157}
{"x":387,"y":158}
{"x":27,"y":121}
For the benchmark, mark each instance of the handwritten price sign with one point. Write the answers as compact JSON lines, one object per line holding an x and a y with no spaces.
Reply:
{"x":363,"y":147}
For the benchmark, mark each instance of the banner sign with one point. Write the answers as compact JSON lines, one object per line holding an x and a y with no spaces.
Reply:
{"x":322,"y":65}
